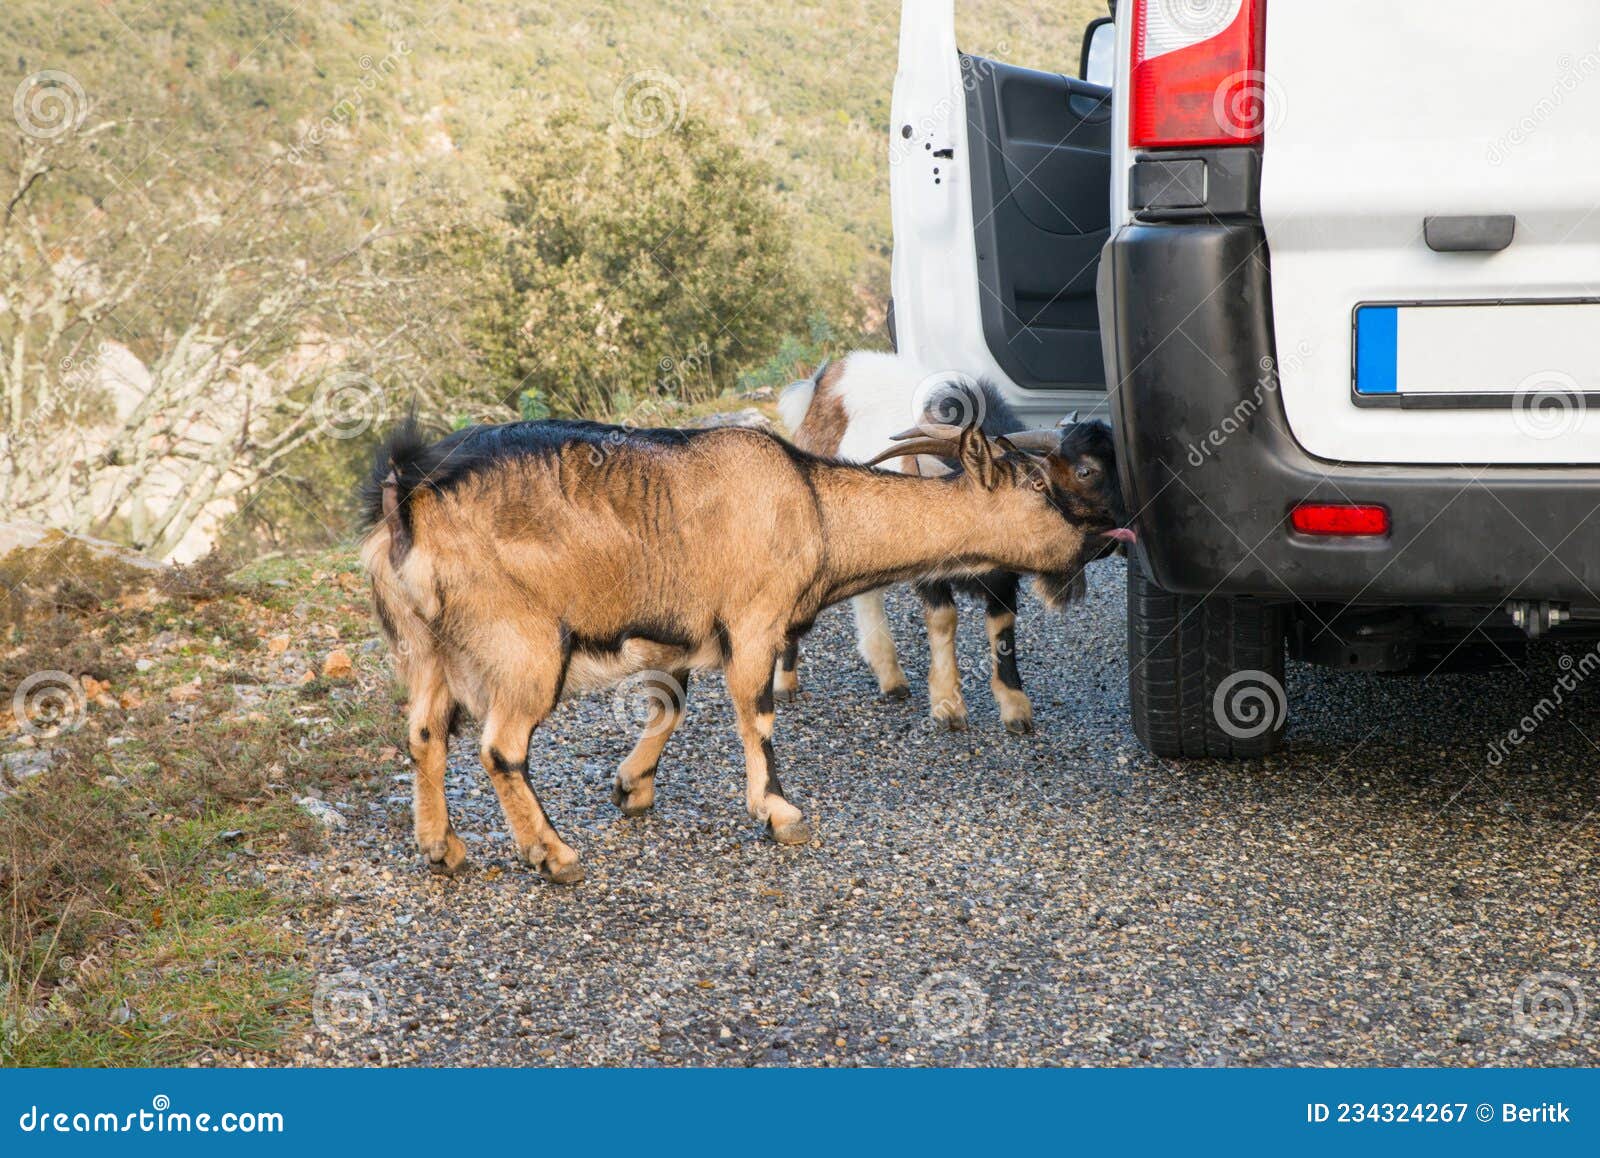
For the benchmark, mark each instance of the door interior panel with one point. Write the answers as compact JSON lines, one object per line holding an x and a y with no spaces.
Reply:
{"x":1041,"y":178}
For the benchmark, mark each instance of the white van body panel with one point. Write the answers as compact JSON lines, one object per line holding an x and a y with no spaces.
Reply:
{"x":938,"y":317}
{"x":1380,"y":114}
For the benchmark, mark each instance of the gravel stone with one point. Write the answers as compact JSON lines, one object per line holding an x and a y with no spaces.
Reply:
{"x":1379,"y":893}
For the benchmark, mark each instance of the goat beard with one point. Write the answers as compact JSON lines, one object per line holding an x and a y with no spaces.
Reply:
{"x":1059,"y":588}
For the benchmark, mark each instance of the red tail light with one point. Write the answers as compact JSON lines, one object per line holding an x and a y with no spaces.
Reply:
{"x":1339,"y":519}
{"x":1197,"y":76}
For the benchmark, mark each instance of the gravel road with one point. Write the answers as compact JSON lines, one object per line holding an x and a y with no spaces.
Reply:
{"x":1378,"y":894}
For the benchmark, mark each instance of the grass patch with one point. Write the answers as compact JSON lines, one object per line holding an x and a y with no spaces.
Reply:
{"x":138,"y":925}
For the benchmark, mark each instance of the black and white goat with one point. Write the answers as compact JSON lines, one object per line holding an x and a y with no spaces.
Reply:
{"x":851,"y":409}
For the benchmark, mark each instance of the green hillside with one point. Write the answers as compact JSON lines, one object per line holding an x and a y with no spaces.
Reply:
{"x":463,"y":208}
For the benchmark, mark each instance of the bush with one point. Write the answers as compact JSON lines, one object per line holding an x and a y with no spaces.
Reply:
{"x":636,"y":268}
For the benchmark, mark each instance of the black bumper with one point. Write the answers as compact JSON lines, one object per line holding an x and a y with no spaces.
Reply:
{"x":1211,"y":471}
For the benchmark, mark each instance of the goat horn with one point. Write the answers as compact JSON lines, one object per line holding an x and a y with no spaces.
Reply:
{"x":1035,"y":441}
{"x":940,"y":430}
{"x":939,"y":447}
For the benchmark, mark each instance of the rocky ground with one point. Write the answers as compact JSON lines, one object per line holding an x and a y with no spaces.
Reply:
{"x":1378,"y":894}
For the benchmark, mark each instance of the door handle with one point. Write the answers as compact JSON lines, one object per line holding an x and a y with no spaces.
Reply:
{"x":1482,"y":233}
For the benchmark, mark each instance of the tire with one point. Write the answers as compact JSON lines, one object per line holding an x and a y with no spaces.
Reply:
{"x":1205,"y":676}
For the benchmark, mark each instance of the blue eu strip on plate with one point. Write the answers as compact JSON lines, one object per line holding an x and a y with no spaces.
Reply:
{"x":1377,"y":349}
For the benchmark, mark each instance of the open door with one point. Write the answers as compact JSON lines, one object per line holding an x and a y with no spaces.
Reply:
{"x":1000,"y":186}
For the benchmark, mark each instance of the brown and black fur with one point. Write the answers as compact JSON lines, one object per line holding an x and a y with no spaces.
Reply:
{"x":513,"y":566}
{"x":821,"y":432}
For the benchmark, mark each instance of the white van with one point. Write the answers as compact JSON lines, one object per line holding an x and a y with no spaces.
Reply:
{"x":1346,"y":285}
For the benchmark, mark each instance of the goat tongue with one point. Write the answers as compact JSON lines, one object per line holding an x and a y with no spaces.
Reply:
{"x":1121,"y":535}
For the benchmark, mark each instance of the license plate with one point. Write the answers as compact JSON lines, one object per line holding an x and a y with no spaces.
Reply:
{"x":1474,"y":353}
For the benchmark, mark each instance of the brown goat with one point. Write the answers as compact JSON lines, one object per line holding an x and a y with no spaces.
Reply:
{"x":515,"y":565}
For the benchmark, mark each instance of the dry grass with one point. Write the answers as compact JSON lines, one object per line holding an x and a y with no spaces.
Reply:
{"x":136,"y":925}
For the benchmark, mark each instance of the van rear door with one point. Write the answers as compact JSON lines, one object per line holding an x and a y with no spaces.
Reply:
{"x":1430,"y":184}
{"x":1000,"y":190}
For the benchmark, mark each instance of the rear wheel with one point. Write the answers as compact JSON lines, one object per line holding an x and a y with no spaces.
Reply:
{"x":1205,"y":676}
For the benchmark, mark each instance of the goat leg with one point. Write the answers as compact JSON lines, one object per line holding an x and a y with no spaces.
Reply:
{"x":876,"y":645}
{"x":506,"y":736}
{"x":1005,"y":681}
{"x":750,"y":688}
{"x":786,"y":680}
{"x":428,"y":734}
{"x":635,"y":788}
{"x":944,"y":676}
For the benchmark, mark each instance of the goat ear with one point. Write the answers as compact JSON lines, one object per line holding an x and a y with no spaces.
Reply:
{"x":979,"y":458}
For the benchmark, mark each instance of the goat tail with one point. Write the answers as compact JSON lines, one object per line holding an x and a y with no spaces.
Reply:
{"x":796,"y":398}
{"x":401,"y":578}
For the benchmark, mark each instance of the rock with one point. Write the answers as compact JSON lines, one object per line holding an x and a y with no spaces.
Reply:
{"x":15,"y":767}
{"x":21,"y":535}
{"x":278,"y":644}
{"x":337,"y":665}
{"x":321,"y":811}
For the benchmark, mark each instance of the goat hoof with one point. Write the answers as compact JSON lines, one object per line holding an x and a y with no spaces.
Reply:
{"x":567,"y":875}
{"x":795,"y":832}
{"x":567,"y":870}
{"x":898,"y":692}
{"x":446,"y":857}
{"x":951,"y":723}
{"x":1022,"y":727}
{"x":620,"y":797}
{"x":785,"y":695}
